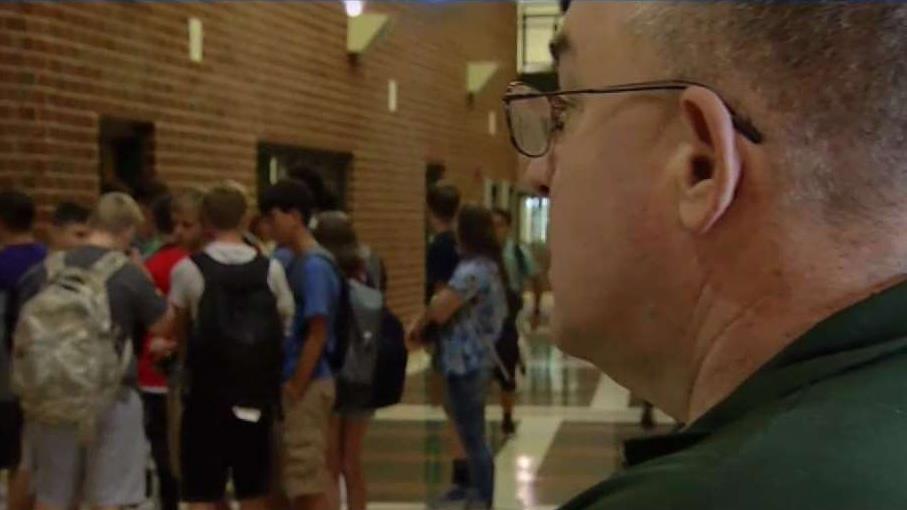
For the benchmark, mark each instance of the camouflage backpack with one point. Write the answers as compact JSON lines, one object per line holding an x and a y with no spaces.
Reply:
{"x":66,"y":367}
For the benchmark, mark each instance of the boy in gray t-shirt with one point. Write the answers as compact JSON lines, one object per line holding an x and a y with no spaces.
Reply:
{"x":110,"y":471}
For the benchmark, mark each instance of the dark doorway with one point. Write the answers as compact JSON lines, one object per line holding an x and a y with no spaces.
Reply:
{"x":126,"y":154}
{"x":277,"y":161}
{"x":434,"y":173}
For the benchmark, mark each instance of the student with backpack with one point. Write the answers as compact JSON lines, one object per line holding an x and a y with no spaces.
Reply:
{"x":19,"y":252}
{"x":232,"y":308}
{"x":310,"y":350}
{"x":74,"y":367}
{"x":521,"y":274}
{"x":369,"y":337}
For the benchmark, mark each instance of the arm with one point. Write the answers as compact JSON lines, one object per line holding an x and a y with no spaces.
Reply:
{"x":319,"y":289}
{"x":151,"y":308}
{"x":462,"y":287}
{"x":181,"y":321}
{"x":443,"y":306}
{"x":165,"y":326}
{"x":286,"y":305}
{"x":312,"y":350}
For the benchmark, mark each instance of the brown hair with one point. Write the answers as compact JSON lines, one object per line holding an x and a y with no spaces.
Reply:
{"x":334,"y":231}
{"x":443,"y":201}
{"x":475,"y":232}
{"x":224,"y":207}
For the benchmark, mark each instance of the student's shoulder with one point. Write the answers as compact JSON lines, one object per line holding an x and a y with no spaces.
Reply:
{"x":316,"y":262}
{"x":184,"y":269}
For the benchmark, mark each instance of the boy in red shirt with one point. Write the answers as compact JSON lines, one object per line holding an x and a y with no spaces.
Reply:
{"x":177,"y":220}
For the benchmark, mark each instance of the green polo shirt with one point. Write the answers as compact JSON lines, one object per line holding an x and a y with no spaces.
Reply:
{"x":821,"y":426}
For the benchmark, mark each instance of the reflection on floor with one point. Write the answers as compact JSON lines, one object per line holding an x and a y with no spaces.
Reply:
{"x":571,"y":423}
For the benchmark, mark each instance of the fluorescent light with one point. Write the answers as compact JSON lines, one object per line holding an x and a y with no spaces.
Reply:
{"x":354,"y":7}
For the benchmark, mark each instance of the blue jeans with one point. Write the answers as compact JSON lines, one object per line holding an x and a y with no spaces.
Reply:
{"x":466,"y":402}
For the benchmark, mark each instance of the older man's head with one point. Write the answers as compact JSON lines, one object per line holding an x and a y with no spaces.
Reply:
{"x":686,"y":253}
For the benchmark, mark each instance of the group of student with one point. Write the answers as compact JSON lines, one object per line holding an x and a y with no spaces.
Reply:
{"x":226,"y":344}
{"x":475,"y":277}
{"x":224,"y":354}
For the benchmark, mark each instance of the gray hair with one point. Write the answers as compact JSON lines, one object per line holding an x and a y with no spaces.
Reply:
{"x":828,"y":80}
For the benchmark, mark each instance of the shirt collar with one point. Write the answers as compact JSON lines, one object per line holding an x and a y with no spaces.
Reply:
{"x":867,"y":331}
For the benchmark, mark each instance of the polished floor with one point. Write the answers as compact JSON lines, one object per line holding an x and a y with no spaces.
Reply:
{"x":571,"y":423}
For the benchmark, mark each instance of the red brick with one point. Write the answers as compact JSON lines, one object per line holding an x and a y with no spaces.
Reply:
{"x":273,"y":72}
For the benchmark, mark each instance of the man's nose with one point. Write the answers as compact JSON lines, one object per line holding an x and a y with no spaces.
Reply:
{"x":539,"y":172}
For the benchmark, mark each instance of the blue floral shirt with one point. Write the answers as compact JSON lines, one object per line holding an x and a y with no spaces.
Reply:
{"x":467,"y":342}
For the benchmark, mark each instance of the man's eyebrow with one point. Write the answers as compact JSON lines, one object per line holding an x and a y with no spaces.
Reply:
{"x":559,"y":46}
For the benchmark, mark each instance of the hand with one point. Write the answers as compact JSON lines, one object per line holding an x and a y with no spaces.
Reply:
{"x":413,"y":338}
{"x":161,"y":348}
{"x":136,"y":256}
{"x":291,"y":391}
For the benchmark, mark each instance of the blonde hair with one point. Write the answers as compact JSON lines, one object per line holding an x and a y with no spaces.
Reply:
{"x":115,"y":213}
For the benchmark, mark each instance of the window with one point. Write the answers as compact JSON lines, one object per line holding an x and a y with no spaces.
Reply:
{"x":126,"y":154}
{"x":278,"y":161}
{"x":534,"y":224}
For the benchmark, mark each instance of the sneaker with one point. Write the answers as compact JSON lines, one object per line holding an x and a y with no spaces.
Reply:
{"x":456,"y":498}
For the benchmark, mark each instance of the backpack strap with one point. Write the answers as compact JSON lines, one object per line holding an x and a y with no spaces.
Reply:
{"x":256,"y":270}
{"x":54,"y":264}
{"x":108,"y":265}
{"x":206,"y":265}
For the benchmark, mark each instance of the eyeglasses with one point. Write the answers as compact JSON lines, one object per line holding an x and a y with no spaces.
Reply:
{"x":534,"y":117}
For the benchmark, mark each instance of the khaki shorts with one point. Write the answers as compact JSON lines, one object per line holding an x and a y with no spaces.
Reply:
{"x":304,"y":442}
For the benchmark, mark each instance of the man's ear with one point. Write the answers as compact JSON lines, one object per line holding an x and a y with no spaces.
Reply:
{"x":709,"y":169}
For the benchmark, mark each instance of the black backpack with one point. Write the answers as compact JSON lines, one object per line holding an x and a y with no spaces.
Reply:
{"x":235,"y":350}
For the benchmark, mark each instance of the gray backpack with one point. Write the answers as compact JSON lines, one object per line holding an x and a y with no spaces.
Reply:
{"x":66,"y":367}
{"x":366,"y":307}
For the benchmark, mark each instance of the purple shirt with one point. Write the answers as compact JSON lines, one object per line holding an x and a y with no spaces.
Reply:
{"x":16,"y":260}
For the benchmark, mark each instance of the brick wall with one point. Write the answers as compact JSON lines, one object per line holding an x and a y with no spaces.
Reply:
{"x":272,"y":72}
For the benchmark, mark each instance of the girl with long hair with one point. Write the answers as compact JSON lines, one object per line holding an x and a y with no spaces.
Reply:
{"x":469,"y":314}
{"x":334,"y":232}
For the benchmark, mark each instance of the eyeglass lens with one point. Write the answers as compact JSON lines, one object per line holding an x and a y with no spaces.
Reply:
{"x":530,"y":121}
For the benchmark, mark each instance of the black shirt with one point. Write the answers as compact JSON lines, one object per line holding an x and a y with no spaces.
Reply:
{"x":441,"y":261}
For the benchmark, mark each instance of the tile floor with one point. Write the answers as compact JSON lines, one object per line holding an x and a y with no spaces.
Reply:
{"x":571,"y":423}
